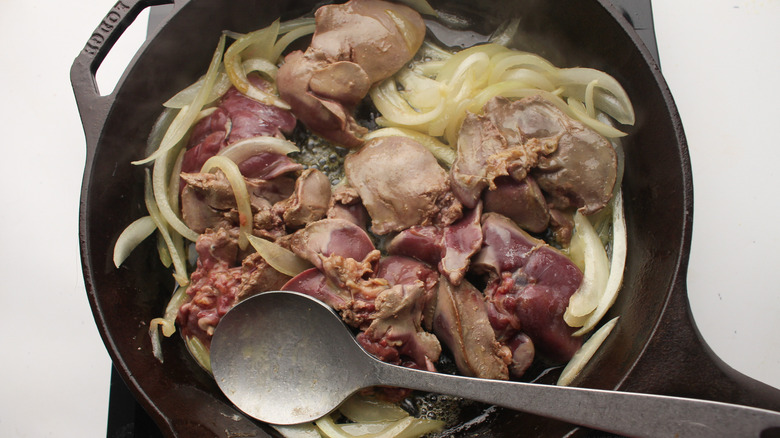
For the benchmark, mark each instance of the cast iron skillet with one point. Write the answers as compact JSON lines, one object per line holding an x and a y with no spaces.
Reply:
{"x":655,"y":347}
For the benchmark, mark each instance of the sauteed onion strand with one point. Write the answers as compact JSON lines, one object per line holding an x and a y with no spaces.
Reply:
{"x":187,"y":116}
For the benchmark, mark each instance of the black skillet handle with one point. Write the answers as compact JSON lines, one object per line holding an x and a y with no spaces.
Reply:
{"x":93,"y":107}
{"x":639,"y":14}
{"x":678,"y":362}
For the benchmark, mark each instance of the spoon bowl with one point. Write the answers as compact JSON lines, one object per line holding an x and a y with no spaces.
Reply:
{"x":287,"y":358}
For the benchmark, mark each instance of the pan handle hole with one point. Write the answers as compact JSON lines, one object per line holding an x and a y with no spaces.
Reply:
{"x":118,"y":58}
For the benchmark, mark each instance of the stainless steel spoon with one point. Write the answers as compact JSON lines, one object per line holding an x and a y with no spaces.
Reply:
{"x":286,"y":358}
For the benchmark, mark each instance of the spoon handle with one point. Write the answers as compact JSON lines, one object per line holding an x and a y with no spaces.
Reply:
{"x":624,"y":413}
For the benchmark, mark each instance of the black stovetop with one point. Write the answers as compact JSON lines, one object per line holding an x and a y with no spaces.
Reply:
{"x":127,"y":419}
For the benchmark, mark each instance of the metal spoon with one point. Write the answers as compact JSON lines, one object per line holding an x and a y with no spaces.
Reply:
{"x":286,"y":358}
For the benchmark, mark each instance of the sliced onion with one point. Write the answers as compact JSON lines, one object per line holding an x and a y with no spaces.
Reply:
{"x":452,"y":65}
{"x":174,"y":181}
{"x":578,"y":111}
{"x":240,"y":151}
{"x":595,"y":275}
{"x":588,"y":101}
{"x":199,"y":352}
{"x":184,"y":120}
{"x":295,"y":23}
{"x":408,"y":427}
{"x":278,"y":257}
{"x":420,"y":91}
{"x":362,"y":409}
{"x":396,"y":110}
{"x":445,"y":154}
{"x":180,"y":269}
{"x":362,"y":429}
{"x":456,"y":118}
{"x":160,"y":177}
{"x":585,"y":353}
{"x":257,"y":44}
{"x":476,"y":65}
{"x":260,"y":65}
{"x":238,"y":184}
{"x":132,"y":236}
{"x":187,"y":95}
{"x":162,"y":251}
{"x":507,"y":61}
{"x":168,"y":320}
{"x":617,"y":266}
{"x":330,"y":429}
{"x":304,"y":29}
{"x":609,"y":95}
{"x":532,"y":78}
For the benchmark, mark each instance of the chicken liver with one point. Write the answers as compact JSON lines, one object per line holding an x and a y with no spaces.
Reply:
{"x":355,"y":45}
{"x":401,"y":185}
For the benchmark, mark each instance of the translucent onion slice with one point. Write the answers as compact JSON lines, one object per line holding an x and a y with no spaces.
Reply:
{"x":460,"y":90}
{"x":361,"y":429}
{"x":132,"y":236}
{"x":180,"y":269}
{"x":408,"y":427}
{"x":260,"y":65}
{"x":596,"y":272}
{"x":280,"y":258}
{"x":532,"y":78}
{"x":617,"y":266}
{"x":162,"y":251}
{"x":396,"y":110}
{"x":420,"y":91}
{"x":588,"y":101}
{"x":280,"y":46}
{"x":257,"y":44}
{"x":238,"y":184}
{"x":475,"y":65}
{"x":456,"y":118}
{"x":578,"y":110}
{"x":241,"y":150}
{"x":452,"y":65}
{"x":585,"y":353}
{"x":362,"y":409}
{"x":168,"y":321}
{"x":505,"y":62}
{"x":199,"y":352}
{"x":445,"y":154}
{"x":609,"y":96}
{"x":187,"y":95}
{"x":430,"y":67}
{"x":160,"y":177}
{"x":291,"y":25}
{"x":187,"y":115}
{"x":174,"y":180}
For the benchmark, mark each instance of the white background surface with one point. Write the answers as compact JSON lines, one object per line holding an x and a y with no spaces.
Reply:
{"x":720,"y":58}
